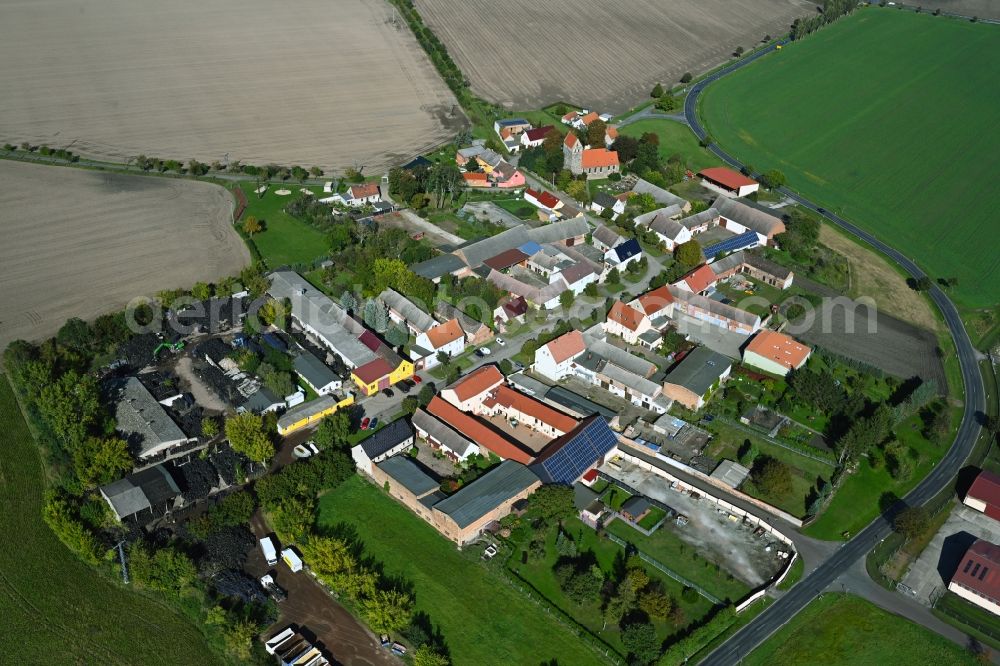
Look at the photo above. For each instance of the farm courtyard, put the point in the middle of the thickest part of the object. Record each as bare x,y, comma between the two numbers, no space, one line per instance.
311,83
899,145
607,56
83,243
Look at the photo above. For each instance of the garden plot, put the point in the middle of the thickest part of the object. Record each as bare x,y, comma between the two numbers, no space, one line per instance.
335,85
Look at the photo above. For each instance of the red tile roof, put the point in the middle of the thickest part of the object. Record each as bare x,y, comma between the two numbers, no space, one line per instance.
570,140
371,372
370,340
589,118
507,397
516,306
625,315
572,115
539,133
986,488
479,381
599,157
506,259
475,176
364,190
444,333
476,430
700,278
611,132
727,178
780,348
547,199
591,475
979,570
653,301
566,346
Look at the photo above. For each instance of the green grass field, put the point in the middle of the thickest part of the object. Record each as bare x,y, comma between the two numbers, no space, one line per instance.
883,117
675,138
284,240
55,607
483,619
846,630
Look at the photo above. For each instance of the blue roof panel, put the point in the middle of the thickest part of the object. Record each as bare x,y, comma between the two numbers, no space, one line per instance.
741,242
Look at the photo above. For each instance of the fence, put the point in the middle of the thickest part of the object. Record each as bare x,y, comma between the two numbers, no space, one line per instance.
992,632
667,570
771,440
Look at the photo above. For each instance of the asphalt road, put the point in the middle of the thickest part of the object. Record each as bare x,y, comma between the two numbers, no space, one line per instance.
785,608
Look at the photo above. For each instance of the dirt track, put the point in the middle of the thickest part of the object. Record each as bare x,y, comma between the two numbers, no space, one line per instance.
79,243
605,55
309,83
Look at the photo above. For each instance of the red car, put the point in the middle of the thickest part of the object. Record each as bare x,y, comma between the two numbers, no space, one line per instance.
365,422
417,379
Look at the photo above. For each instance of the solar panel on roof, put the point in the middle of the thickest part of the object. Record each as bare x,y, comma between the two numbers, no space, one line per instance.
743,241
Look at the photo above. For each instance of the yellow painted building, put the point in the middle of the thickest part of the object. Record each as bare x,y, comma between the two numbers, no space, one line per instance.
376,375
310,413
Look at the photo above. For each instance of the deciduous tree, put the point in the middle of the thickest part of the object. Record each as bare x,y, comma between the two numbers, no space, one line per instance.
245,433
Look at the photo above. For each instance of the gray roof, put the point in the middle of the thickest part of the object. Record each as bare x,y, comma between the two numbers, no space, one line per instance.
438,266
562,396
698,219
604,200
697,371
583,496
140,491
142,420
750,217
471,151
636,505
766,265
299,412
442,433
448,311
408,474
714,306
619,356
577,272
313,370
561,230
633,381
318,312
487,492
260,400
646,219
537,295
728,263
607,235
387,438
479,251
659,194
665,226
407,309
731,473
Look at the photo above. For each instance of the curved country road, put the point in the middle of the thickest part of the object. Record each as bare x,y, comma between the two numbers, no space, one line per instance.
775,616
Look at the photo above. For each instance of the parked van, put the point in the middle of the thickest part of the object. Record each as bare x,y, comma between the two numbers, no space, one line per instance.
270,552
292,559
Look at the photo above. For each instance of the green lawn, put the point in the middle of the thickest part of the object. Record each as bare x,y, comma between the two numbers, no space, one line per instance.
862,495
665,546
518,207
482,618
284,240
675,138
56,605
884,117
978,622
845,630
606,552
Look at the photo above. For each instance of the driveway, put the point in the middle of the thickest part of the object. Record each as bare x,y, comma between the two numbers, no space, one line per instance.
928,577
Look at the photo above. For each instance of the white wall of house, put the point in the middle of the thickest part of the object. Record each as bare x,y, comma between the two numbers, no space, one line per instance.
610,258
766,364
453,348
628,335
546,365
683,236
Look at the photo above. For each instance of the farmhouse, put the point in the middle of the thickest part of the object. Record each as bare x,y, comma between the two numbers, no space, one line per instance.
554,360
635,388
510,309
669,232
754,265
513,126
465,155
404,311
142,495
143,422
713,312
701,280
775,353
262,401
604,238
577,276
626,322
604,201
384,443
442,438
728,182
984,494
542,199
476,332
365,193
623,254
524,410
468,392
316,374
977,578
546,297
535,137
447,338
463,516
693,379
380,374
436,268
475,429
657,305
700,222
409,483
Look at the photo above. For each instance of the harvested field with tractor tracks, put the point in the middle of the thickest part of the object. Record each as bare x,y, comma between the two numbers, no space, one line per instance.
80,243
605,56
312,83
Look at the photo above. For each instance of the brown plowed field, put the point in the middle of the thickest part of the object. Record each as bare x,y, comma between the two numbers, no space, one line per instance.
310,82
77,243
604,55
